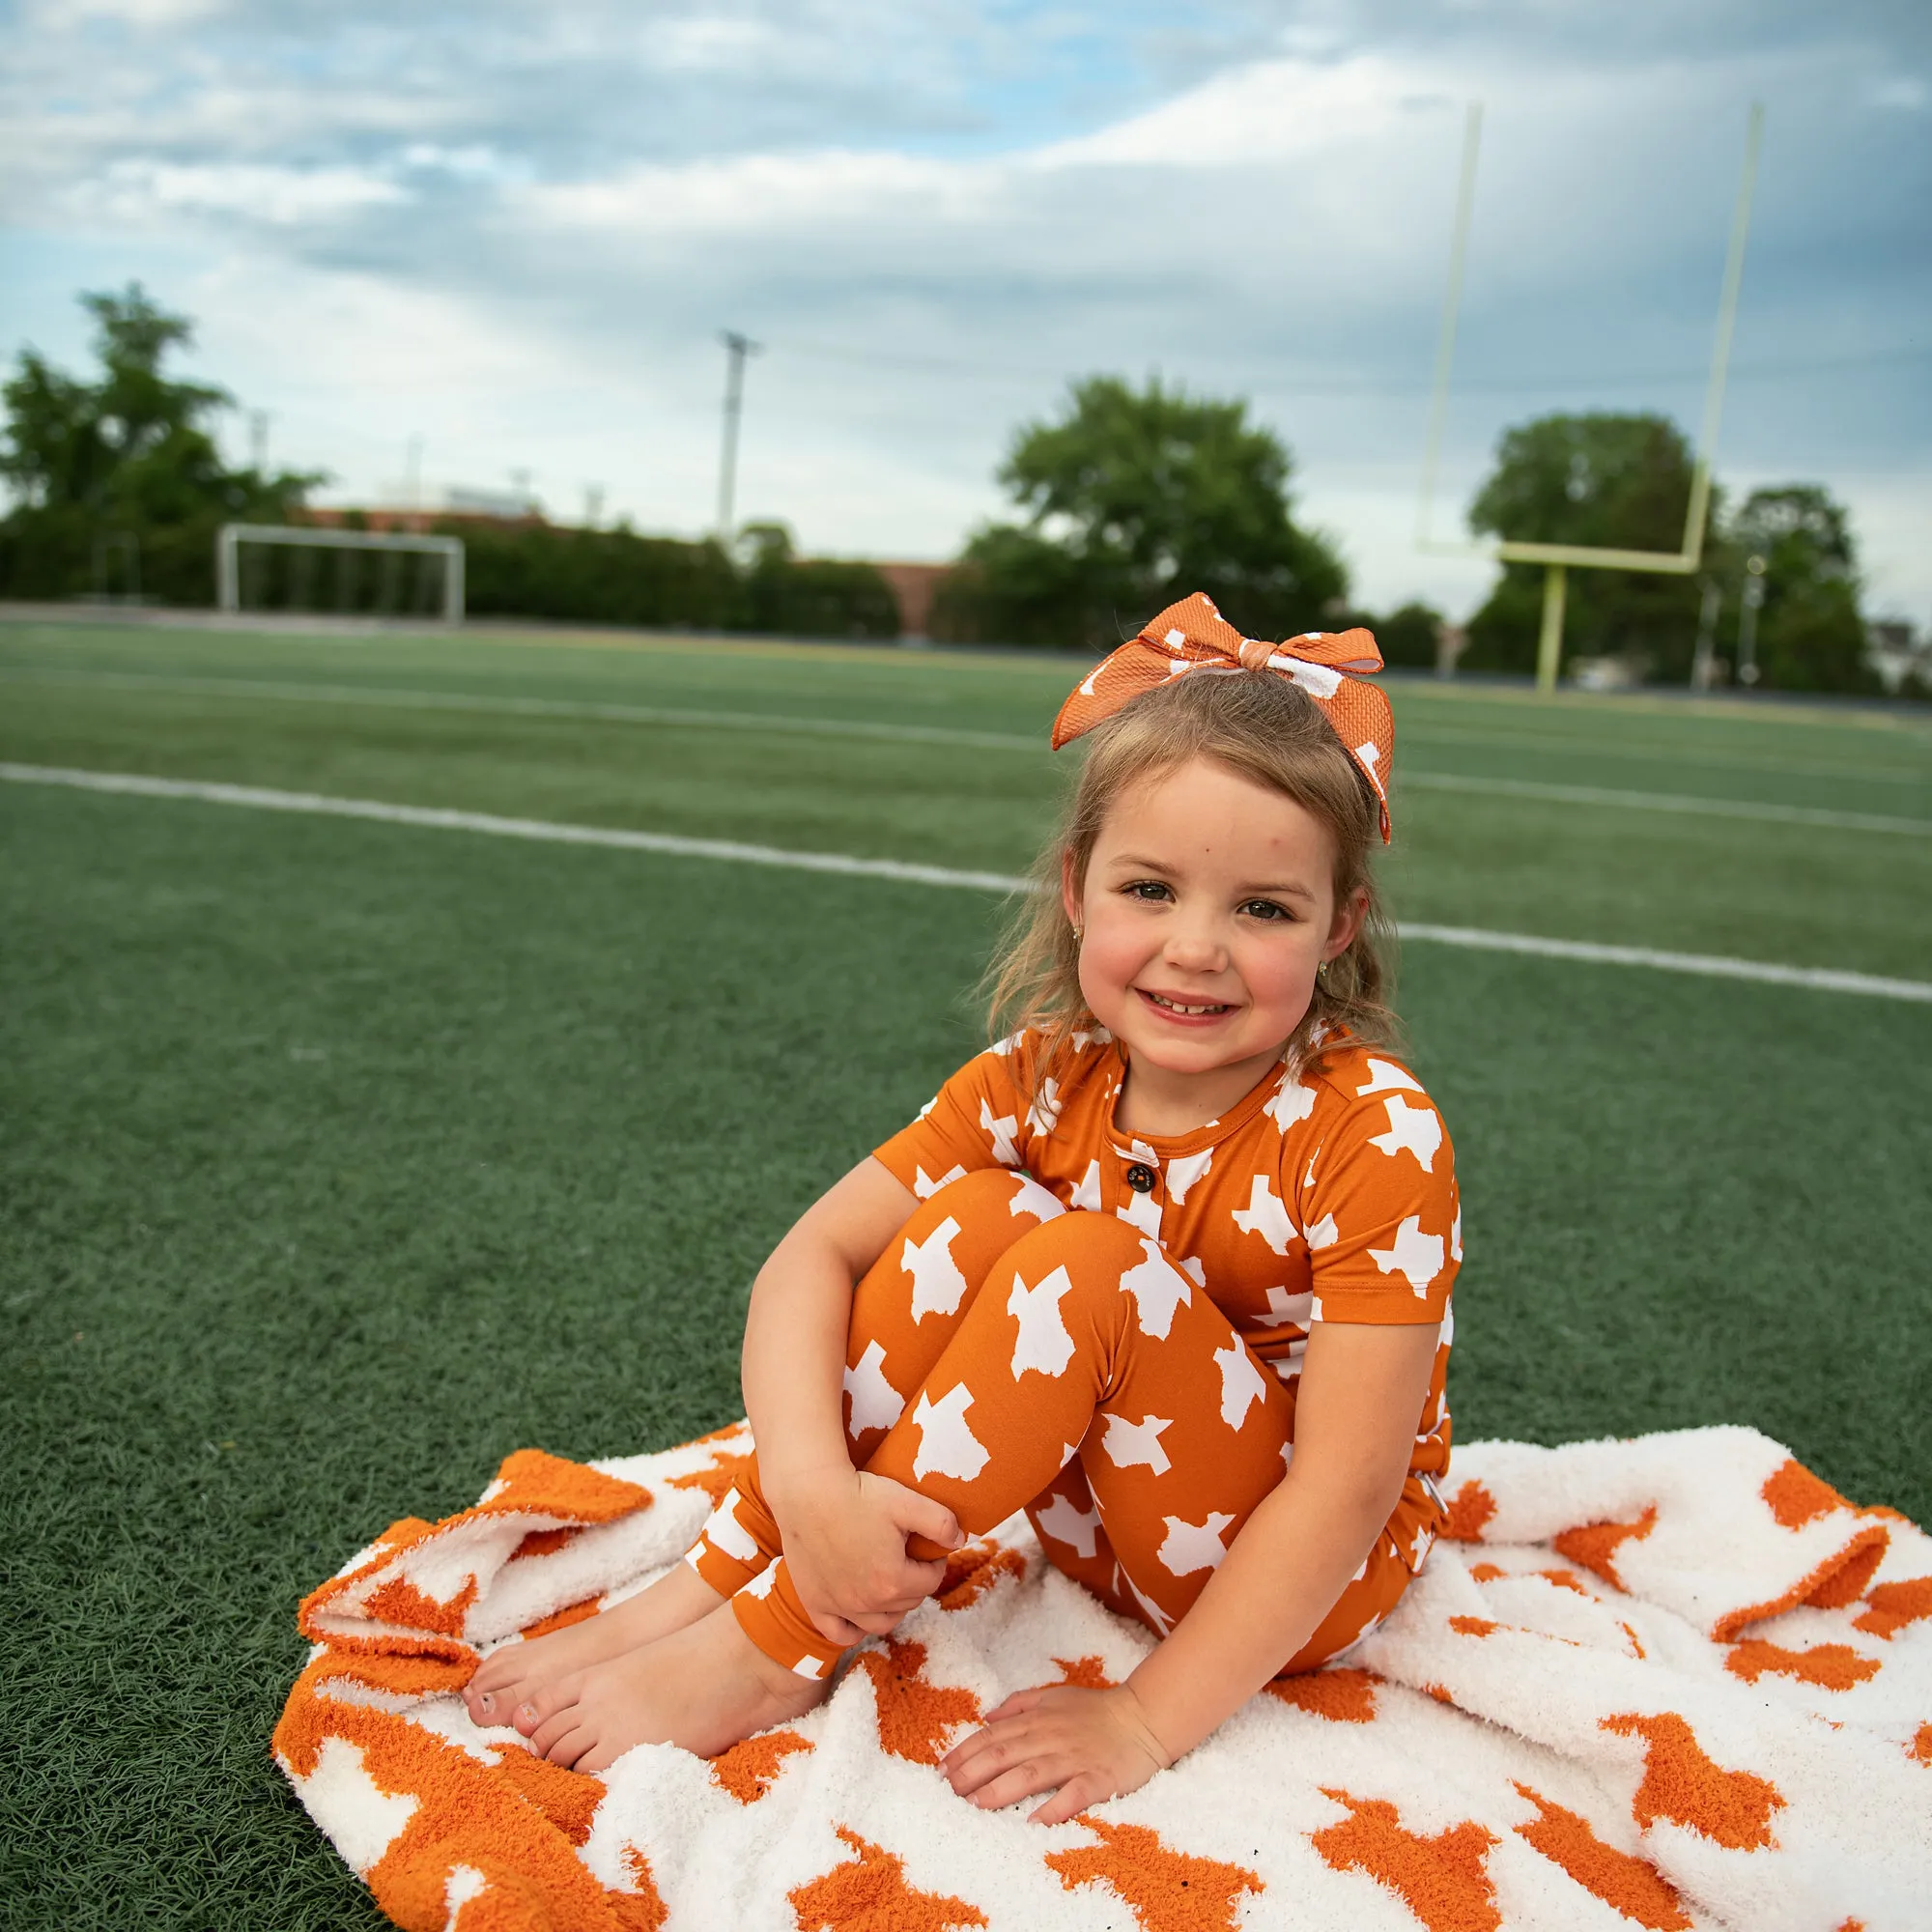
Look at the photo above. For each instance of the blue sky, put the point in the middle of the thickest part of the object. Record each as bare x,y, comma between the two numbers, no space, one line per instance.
514,232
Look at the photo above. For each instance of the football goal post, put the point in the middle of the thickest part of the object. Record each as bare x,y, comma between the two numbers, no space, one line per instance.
1558,560
433,587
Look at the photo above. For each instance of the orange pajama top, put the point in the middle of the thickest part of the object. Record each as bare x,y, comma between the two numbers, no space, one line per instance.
1323,1195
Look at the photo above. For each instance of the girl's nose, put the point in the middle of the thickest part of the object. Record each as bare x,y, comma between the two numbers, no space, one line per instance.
1196,949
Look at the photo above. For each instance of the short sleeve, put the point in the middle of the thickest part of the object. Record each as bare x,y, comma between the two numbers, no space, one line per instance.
976,1119
1379,1204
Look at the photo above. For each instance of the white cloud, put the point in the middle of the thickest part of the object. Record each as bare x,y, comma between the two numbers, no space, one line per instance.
147,14
135,190
517,235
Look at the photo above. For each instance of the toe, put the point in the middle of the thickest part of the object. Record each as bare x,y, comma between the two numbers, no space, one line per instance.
548,1726
539,1706
561,1738
493,1710
491,1693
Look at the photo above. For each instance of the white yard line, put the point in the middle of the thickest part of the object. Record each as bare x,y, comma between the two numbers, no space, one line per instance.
536,707
1679,803
438,818
1671,802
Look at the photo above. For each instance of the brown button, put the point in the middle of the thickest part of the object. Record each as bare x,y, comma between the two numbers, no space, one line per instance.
1141,1177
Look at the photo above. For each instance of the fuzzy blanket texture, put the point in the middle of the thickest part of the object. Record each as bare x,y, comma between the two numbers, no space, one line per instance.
1675,1681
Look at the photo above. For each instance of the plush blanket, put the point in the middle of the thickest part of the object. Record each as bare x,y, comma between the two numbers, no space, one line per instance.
1676,1682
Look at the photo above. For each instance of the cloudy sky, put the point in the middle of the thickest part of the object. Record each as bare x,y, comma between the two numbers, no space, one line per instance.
513,232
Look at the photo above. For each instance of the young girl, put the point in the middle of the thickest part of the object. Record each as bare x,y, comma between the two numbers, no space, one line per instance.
1169,1268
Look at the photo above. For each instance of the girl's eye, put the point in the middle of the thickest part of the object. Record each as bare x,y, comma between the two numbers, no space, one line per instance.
1266,909
1152,890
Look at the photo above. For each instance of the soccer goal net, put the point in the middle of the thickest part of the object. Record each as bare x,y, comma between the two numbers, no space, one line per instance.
355,572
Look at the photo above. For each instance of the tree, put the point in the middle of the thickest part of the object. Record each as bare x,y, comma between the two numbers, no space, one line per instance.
786,595
1810,636
1409,637
1133,498
1612,481
1624,481
130,456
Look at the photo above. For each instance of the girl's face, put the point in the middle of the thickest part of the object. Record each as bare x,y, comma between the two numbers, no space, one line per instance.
1207,908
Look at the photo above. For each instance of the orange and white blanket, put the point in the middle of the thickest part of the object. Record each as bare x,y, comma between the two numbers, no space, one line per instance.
1676,1682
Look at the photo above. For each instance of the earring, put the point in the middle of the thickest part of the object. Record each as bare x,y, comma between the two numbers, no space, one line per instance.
1079,933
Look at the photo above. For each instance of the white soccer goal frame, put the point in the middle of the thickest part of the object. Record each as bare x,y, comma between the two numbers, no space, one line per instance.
231,537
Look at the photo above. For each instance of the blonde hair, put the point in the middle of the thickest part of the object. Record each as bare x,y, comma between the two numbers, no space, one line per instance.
1264,729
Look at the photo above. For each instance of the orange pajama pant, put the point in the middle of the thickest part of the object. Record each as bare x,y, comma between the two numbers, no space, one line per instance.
1006,1353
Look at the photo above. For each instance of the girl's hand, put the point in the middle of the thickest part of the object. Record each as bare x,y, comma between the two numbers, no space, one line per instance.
845,1544
1089,1744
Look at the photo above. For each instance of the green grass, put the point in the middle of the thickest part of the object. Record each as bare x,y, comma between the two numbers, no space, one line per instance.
340,1160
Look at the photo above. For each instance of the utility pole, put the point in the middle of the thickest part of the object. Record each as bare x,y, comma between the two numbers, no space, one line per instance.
258,441
736,348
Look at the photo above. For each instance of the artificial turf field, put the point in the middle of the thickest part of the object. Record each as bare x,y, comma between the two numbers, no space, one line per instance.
341,1158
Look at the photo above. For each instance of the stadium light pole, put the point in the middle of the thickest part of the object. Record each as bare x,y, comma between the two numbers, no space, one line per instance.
737,348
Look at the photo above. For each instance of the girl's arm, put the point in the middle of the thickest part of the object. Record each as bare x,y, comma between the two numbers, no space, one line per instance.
844,1533
1362,1387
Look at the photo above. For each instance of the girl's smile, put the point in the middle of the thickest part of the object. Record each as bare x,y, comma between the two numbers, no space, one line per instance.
1207,909
1171,1004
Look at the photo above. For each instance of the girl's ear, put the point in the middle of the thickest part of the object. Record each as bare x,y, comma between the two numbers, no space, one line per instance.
1069,890
1346,923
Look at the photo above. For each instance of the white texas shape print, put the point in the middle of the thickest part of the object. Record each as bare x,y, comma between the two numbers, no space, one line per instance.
725,1532
1286,1307
1384,1077
1292,1103
1030,1198
1043,1343
1413,1254
1044,1114
1265,1215
1064,1524
1000,1131
1418,1129
1157,1616
1185,1168
1242,1383
1193,1545
937,1285
875,1402
1128,1443
946,1446
1158,1288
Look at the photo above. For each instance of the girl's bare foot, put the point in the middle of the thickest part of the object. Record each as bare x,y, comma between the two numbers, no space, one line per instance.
706,1687
519,1671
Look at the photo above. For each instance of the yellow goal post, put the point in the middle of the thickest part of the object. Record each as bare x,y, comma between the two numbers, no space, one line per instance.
1558,560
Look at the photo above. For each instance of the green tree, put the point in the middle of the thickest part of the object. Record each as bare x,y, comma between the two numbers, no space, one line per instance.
1133,498
1810,635
125,465
1614,481
1409,635
786,595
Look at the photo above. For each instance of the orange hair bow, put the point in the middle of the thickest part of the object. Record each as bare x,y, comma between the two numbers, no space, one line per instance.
1193,635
